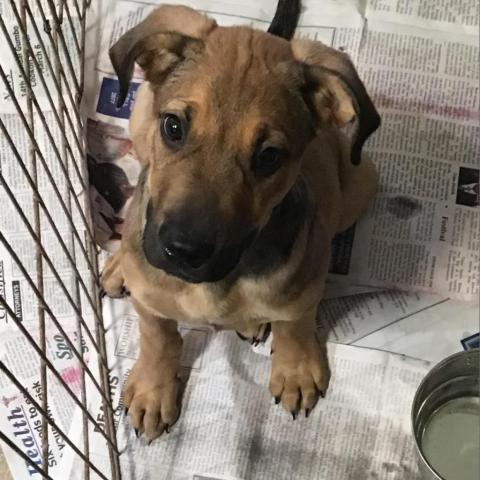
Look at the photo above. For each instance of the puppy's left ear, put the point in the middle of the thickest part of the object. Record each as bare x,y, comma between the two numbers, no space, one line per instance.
168,35
334,92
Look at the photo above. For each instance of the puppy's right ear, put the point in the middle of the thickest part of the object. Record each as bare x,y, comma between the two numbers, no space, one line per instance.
167,36
335,92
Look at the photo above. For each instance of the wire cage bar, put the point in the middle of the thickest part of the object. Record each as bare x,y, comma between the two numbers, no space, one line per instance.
50,307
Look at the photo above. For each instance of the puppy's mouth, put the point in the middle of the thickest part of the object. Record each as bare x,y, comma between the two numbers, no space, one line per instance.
191,263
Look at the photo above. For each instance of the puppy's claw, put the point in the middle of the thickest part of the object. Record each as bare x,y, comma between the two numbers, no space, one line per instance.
266,333
166,429
307,412
124,292
242,337
320,393
102,292
277,400
125,411
261,336
294,415
137,434
150,442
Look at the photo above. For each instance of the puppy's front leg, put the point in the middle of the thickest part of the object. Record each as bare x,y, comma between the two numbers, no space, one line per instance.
300,372
151,392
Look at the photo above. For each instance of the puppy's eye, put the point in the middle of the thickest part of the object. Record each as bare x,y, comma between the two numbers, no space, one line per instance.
172,129
267,161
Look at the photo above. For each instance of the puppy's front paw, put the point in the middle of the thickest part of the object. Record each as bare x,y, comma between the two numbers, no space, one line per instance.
151,398
300,375
111,280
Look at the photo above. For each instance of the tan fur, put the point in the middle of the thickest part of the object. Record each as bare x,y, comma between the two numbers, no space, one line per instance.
225,82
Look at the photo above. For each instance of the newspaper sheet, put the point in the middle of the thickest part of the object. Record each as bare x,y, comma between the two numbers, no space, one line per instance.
230,428
418,61
431,333
21,421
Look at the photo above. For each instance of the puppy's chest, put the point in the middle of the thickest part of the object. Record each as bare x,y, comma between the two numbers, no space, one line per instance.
247,303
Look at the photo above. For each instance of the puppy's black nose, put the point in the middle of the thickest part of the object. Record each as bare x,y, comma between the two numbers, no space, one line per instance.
190,252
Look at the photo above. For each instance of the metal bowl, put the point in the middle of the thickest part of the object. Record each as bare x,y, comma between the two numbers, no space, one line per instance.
453,378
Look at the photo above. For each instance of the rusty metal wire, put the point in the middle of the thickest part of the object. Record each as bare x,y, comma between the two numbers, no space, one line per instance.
44,146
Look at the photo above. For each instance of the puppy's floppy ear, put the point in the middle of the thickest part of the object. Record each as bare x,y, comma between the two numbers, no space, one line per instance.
166,37
334,91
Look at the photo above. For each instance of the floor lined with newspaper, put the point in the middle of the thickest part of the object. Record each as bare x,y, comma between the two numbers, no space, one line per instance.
403,290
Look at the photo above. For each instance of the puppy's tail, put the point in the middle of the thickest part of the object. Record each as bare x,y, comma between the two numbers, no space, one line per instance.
285,19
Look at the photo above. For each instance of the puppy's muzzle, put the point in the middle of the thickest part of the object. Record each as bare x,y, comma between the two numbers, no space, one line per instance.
192,248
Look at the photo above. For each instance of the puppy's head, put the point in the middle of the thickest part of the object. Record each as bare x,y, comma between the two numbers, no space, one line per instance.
221,126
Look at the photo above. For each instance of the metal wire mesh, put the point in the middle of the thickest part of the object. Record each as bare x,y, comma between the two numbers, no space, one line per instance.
47,245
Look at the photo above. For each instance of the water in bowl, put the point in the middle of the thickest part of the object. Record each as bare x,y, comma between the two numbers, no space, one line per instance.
451,439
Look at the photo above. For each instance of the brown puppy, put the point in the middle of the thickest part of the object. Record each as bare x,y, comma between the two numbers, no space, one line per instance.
246,179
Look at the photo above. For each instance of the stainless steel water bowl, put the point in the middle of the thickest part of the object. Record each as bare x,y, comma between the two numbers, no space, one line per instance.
456,377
